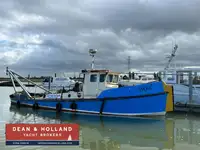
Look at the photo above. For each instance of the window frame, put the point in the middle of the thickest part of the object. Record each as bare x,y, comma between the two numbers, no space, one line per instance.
93,76
114,75
108,78
100,75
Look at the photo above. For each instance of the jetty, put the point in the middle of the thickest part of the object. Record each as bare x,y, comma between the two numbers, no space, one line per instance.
185,81
8,82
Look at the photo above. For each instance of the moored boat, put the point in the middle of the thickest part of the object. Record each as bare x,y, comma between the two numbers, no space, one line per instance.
57,83
101,94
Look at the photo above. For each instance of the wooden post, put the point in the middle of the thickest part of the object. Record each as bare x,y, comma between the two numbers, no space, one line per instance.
190,87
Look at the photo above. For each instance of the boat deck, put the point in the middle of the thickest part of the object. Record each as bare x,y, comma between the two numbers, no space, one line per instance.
66,99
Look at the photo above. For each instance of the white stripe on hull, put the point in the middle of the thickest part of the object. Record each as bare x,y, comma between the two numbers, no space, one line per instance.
104,113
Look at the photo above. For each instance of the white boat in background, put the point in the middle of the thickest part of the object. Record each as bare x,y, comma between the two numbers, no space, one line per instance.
139,77
58,83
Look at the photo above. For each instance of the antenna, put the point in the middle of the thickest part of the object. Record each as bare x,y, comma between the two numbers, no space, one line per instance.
171,56
6,70
92,53
129,63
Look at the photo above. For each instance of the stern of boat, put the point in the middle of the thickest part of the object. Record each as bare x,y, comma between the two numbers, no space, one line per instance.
170,97
17,96
13,97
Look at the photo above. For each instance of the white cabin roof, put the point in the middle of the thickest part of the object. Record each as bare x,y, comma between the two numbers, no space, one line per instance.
99,71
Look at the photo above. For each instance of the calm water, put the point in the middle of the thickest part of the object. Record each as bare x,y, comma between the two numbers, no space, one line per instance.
177,132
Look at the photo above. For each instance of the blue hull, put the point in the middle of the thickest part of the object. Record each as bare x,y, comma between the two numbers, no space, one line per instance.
145,99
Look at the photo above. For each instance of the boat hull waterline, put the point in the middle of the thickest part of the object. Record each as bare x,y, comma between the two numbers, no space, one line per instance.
151,99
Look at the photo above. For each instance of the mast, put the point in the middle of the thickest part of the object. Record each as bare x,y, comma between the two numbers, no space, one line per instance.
92,53
129,63
171,56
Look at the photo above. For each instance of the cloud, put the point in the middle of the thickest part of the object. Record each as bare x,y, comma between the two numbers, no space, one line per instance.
47,36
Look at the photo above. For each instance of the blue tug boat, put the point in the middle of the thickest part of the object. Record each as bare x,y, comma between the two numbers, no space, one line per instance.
99,94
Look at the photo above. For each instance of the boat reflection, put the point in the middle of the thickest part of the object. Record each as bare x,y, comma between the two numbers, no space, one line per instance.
107,133
187,129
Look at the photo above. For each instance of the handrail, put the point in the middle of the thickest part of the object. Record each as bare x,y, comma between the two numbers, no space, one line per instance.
15,75
197,92
10,71
28,94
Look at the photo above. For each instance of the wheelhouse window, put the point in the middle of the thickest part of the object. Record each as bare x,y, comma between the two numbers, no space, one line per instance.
102,77
93,78
109,78
115,79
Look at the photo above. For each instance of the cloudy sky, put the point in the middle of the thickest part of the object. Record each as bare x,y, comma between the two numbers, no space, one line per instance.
45,36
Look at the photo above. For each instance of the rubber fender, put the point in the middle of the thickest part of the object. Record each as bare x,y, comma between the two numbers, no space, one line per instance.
18,104
35,106
59,107
73,106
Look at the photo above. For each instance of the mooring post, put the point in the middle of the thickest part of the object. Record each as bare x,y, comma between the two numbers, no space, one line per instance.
190,87
49,82
190,135
28,78
177,77
6,70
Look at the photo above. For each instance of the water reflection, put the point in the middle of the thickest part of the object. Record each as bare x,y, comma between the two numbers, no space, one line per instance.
106,133
187,129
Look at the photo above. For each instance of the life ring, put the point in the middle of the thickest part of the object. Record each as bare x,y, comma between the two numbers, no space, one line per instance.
58,107
18,104
35,105
73,106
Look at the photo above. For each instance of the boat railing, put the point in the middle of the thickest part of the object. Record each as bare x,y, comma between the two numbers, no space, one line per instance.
186,82
145,76
140,76
15,77
197,92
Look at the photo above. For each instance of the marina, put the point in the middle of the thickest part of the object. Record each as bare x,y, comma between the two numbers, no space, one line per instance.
99,90
175,131
100,75
152,99
186,91
185,82
100,93
106,104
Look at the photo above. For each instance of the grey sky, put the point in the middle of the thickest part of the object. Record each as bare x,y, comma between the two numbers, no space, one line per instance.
46,36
